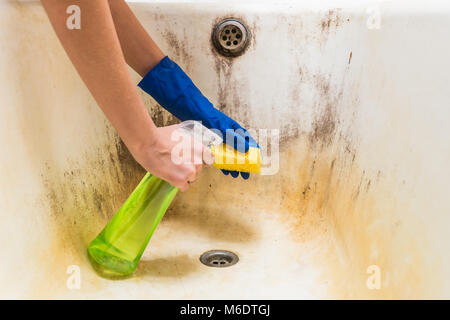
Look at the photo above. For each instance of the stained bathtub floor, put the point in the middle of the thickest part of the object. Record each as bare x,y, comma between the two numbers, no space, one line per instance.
271,265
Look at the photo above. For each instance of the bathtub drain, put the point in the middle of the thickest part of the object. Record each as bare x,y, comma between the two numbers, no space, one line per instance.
230,37
219,258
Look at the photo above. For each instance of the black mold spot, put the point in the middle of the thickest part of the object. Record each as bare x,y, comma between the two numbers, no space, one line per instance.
83,198
326,120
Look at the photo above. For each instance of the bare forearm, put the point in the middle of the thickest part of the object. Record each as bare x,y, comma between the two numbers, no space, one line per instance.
97,56
140,51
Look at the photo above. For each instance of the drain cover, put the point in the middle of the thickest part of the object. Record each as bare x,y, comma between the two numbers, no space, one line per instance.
219,258
230,37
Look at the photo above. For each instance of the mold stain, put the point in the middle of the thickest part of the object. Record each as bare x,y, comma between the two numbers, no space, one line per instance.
229,91
324,197
327,197
326,120
347,215
331,20
328,99
321,195
253,30
171,267
223,68
327,89
159,115
200,212
179,49
81,201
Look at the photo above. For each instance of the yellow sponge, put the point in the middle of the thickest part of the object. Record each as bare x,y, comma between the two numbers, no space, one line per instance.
228,158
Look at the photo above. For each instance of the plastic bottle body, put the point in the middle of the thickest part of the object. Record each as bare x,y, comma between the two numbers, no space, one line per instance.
117,249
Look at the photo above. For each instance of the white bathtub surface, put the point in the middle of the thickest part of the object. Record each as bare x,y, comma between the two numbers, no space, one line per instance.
360,93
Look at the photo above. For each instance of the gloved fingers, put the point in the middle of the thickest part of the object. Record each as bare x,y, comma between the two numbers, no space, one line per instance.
234,174
245,175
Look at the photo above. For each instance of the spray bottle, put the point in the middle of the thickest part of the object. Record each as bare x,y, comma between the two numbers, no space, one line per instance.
116,251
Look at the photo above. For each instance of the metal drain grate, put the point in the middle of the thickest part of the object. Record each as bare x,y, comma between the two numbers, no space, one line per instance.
230,37
219,258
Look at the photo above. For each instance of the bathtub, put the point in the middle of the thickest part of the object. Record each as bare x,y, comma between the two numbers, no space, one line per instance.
359,206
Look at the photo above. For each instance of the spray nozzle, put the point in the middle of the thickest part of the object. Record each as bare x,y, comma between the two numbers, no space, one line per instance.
200,133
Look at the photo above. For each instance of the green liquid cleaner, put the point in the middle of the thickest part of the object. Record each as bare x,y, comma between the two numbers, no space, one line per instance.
116,251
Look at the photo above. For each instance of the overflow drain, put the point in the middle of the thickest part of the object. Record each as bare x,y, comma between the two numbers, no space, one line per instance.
230,37
219,258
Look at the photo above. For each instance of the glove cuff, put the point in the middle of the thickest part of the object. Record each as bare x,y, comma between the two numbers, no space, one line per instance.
172,88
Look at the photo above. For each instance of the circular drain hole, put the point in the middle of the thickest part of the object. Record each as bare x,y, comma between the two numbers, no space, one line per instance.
219,258
230,37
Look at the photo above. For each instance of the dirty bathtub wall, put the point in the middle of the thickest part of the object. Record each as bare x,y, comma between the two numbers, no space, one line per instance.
64,171
354,162
364,156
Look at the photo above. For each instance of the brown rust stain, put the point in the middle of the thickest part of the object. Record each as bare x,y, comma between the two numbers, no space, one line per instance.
326,119
328,88
320,192
170,267
223,67
324,126
159,115
81,200
253,30
203,212
232,99
332,19
178,48
326,195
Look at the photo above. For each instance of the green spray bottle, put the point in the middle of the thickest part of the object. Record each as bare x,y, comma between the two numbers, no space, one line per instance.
116,251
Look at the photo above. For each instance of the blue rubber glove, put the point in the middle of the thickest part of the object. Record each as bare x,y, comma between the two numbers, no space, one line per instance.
172,88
